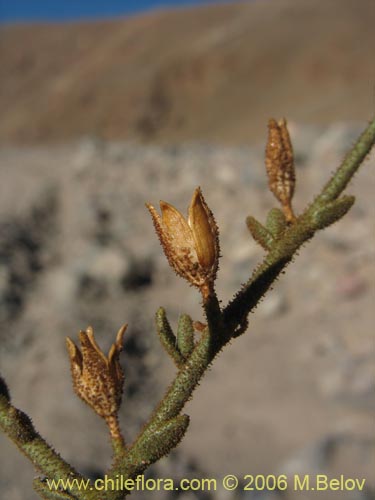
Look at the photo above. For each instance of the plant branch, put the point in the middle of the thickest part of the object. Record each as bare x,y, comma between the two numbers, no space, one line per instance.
299,232
232,321
352,161
19,428
167,426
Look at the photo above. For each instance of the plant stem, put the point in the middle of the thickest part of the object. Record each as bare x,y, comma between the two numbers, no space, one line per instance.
296,234
19,428
352,161
223,325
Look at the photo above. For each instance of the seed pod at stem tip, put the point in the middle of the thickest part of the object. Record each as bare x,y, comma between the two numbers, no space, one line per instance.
190,244
280,165
97,379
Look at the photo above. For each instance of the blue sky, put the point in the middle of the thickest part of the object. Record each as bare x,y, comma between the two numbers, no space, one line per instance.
62,10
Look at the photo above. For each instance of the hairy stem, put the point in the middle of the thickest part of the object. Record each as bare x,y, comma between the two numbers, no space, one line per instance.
352,161
19,428
299,232
226,324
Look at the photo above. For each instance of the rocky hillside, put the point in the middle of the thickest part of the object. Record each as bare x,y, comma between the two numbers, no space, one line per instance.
213,73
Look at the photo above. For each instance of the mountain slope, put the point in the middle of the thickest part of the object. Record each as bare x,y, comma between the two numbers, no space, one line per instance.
213,73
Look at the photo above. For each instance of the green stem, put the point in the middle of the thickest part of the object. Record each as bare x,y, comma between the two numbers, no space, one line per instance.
181,388
295,235
169,407
349,166
19,428
264,276
226,324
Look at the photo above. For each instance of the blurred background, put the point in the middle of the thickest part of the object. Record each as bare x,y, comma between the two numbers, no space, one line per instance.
107,105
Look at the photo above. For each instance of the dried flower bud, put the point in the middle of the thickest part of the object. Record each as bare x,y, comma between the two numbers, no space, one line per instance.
191,245
280,165
97,379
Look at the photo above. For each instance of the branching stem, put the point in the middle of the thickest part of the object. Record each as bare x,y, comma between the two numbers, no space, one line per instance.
167,426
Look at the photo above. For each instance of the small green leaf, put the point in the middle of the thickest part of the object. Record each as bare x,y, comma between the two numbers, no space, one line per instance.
260,234
156,442
185,335
168,338
276,222
332,211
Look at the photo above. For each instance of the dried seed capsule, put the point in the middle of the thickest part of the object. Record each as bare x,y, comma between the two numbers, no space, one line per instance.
97,379
191,245
280,165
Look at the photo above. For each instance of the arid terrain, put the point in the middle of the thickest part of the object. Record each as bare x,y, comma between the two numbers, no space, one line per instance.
214,73
98,119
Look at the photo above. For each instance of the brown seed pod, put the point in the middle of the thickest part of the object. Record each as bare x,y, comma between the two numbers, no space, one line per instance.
191,245
280,165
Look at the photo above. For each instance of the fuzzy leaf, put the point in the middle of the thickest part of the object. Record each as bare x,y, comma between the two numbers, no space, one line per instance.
185,335
276,222
168,338
156,442
260,234
332,211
